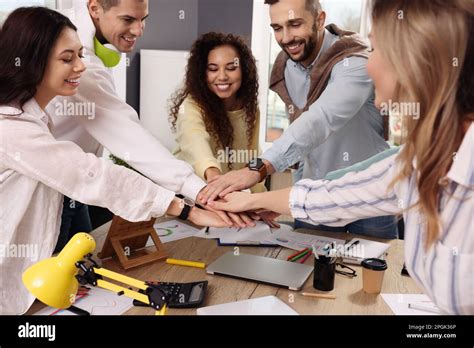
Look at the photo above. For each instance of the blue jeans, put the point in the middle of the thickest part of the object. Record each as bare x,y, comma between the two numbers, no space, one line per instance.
75,218
380,227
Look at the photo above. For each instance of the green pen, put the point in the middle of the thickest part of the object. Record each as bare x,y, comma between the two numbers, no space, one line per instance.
297,257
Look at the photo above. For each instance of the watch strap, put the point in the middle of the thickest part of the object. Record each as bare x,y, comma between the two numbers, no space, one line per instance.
185,212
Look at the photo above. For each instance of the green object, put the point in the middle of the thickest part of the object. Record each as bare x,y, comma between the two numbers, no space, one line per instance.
297,257
357,167
121,162
108,56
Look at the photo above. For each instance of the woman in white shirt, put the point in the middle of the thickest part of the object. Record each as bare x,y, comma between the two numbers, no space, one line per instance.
41,58
421,66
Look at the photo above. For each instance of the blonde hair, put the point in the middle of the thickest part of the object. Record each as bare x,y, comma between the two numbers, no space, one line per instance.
428,43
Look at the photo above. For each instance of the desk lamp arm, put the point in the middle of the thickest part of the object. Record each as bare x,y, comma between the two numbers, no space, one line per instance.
94,274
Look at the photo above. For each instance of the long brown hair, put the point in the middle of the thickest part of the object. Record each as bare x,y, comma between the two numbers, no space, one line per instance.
212,107
429,44
26,40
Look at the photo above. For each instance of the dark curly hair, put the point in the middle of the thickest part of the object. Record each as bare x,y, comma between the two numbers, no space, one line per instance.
195,85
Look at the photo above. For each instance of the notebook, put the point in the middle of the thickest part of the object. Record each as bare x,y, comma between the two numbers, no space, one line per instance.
268,305
364,249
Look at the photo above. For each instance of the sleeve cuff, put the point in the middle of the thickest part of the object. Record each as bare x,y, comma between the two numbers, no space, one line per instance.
201,166
192,186
297,201
275,160
162,202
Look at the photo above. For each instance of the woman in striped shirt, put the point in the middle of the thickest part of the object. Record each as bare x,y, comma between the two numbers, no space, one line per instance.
420,68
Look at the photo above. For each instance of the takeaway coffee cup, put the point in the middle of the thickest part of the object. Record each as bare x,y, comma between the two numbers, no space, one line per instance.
372,275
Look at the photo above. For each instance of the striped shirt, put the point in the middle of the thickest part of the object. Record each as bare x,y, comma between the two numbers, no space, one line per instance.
446,269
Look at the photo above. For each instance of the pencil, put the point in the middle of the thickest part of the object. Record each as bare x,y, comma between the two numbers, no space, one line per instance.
325,296
296,254
306,257
423,308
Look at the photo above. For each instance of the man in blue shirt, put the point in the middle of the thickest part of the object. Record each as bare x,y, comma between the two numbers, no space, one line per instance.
322,78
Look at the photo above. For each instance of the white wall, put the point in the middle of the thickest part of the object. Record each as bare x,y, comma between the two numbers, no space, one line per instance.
261,52
161,73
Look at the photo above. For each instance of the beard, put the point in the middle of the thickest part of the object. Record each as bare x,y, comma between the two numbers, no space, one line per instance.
310,45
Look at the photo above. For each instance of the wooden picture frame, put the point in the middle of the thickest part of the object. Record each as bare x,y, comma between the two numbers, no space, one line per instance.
127,240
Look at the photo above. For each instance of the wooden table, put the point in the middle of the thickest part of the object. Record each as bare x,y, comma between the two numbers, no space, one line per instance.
350,298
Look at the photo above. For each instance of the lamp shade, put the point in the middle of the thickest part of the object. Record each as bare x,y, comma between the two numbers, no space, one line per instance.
53,281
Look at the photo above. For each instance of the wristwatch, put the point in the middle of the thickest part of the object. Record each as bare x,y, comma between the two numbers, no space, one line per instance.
257,165
188,203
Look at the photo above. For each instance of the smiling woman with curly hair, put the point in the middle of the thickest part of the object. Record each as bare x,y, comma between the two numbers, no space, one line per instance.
215,115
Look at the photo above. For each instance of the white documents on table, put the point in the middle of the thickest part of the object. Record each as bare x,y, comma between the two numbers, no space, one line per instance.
268,305
410,304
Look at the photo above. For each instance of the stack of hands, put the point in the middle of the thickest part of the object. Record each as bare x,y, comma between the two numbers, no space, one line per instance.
226,206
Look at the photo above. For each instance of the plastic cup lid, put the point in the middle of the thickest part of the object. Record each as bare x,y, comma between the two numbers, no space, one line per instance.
374,264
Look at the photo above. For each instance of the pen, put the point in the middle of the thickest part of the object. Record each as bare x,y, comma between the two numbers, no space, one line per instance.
297,257
77,310
326,296
423,308
306,257
207,230
327,249
296,254
186,263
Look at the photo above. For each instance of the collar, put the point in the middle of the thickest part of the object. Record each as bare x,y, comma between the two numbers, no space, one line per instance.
462,169
30,109
328,40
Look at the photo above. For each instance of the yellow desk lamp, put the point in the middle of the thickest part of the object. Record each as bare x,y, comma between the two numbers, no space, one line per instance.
55,281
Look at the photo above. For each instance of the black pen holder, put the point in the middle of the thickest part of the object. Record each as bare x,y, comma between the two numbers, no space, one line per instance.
324,273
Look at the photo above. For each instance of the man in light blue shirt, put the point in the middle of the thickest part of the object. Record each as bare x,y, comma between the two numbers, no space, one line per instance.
332,128
340,128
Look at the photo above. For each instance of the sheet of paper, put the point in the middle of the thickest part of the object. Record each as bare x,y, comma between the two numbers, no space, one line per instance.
286,237
398,303
96,301
261,233
268,305
215,233
172,230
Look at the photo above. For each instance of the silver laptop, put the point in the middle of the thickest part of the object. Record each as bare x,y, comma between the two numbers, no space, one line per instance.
261,269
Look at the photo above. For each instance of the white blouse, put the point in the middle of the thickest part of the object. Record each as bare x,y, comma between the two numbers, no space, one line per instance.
35,170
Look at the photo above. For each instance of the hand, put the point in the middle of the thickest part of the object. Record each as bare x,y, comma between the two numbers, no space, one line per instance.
243,201
235,180
203,217
233,219
268,217
235,202
212,173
